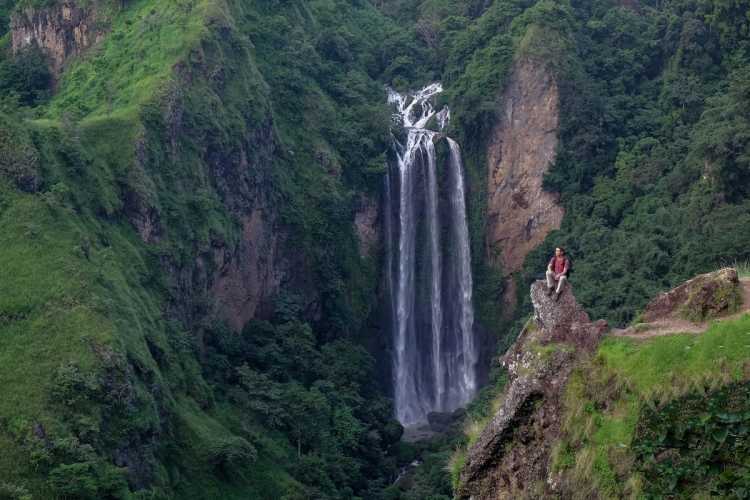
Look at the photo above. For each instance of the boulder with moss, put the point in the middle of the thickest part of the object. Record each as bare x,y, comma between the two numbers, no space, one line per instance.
704,297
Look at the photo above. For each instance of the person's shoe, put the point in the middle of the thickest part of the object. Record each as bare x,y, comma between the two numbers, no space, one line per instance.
549,291
557,296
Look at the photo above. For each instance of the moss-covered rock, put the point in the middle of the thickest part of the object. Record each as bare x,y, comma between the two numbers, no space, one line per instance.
704,297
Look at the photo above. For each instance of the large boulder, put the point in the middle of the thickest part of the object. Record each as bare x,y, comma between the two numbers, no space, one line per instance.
704,297
564,320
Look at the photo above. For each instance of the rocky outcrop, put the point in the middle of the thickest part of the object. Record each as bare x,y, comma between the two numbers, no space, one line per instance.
366,225
248,275
564,320
510,459
703,297
522,147
61,30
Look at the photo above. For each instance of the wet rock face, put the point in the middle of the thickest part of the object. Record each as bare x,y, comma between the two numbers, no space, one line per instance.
522,148
510,459
703,297
61,31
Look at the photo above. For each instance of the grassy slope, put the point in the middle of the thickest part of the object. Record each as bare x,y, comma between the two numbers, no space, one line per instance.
77,281
606,399
135,60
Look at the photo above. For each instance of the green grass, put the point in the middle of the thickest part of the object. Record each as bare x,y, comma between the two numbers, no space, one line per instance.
456,465
62,299
604,399
665,367
743,269
136,59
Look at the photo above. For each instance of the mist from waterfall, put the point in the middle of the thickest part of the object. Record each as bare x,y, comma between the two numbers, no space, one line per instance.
428,263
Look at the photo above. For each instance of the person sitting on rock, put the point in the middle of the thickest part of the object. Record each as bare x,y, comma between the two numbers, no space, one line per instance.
557,272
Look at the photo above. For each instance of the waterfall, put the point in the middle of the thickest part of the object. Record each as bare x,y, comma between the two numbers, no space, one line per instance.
428,267
461,235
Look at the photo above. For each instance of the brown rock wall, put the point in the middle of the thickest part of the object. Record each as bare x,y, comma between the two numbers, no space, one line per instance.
522,147
61,31
367,225
247,275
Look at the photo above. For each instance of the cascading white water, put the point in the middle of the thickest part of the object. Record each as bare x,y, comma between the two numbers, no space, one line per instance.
435,353
458,200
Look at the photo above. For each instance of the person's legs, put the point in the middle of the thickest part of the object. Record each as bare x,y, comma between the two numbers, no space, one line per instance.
550,280
561,283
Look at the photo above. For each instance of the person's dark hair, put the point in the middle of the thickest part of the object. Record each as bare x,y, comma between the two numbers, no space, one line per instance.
561,250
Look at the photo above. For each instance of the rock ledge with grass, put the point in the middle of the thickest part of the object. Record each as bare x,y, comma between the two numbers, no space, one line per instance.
512,452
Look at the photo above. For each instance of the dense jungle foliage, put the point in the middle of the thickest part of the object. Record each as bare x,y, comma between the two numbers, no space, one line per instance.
120,380
653,163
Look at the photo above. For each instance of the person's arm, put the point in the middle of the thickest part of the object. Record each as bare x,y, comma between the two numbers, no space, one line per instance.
551,262
565,269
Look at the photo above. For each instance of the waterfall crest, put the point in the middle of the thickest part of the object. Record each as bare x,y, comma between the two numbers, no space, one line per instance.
428,264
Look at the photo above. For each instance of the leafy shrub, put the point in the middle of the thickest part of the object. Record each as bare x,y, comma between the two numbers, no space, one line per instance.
87,480
10,491
231,452
697,444
19,159
27,76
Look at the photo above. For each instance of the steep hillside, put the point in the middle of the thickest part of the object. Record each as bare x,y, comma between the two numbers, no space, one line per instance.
640,416
651,164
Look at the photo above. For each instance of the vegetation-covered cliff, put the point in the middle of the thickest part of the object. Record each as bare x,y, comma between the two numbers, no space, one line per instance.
189,216
183,299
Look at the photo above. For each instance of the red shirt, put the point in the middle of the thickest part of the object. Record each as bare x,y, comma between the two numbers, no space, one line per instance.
559,264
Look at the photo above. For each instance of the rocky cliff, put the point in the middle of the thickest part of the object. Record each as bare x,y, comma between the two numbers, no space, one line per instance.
242,270
511,457
522,147
62,30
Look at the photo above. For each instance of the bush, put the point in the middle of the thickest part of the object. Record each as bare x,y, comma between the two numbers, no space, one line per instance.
26,75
